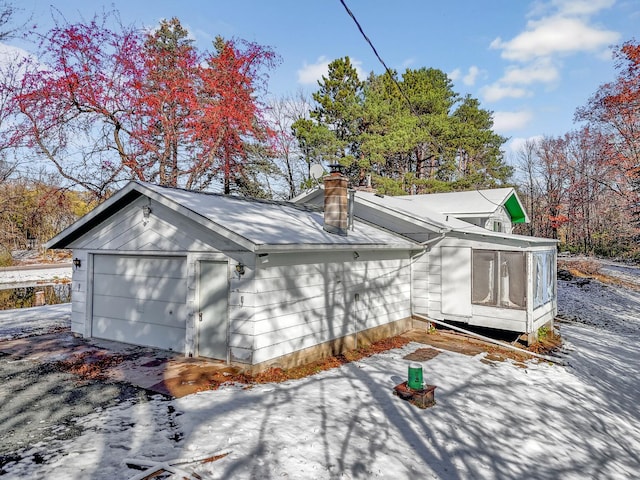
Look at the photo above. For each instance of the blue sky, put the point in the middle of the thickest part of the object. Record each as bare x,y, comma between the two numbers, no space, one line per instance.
530,62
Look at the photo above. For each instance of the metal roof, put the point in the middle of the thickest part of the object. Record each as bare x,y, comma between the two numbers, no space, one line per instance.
473,203
255,224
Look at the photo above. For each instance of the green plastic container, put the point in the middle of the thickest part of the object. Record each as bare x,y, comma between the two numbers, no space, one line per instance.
415,376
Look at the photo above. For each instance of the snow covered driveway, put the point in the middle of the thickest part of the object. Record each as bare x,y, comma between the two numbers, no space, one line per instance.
33,321
492,420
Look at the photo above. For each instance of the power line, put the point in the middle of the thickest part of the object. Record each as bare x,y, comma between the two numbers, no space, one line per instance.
389,72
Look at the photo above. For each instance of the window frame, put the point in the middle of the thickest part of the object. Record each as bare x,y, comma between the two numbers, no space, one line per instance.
544,280
495,291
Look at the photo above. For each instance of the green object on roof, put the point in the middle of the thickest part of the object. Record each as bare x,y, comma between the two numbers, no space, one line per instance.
515,210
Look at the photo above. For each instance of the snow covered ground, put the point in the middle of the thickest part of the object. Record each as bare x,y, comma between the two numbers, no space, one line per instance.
33,321
491,421
33,275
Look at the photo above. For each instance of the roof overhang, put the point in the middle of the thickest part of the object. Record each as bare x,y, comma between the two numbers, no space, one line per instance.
124,197
429,225
521,241
515,209
98,215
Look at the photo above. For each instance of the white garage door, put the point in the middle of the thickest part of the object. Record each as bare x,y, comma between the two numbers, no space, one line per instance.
140,300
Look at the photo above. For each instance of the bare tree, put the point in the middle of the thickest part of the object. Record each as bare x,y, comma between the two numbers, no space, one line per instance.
291,165
7,15
527,163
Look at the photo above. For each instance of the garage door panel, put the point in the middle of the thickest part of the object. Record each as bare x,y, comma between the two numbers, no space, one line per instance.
170,290
147,311
147,267
137,333
140,300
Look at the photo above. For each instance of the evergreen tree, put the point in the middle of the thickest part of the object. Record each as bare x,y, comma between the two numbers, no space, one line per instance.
339,101
413,134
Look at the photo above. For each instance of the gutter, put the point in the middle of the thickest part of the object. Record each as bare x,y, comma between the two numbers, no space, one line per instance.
436,239
335,247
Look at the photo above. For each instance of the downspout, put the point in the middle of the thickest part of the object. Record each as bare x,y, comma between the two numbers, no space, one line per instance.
350,205
433,240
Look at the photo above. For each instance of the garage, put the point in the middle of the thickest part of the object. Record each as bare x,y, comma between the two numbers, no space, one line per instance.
140,300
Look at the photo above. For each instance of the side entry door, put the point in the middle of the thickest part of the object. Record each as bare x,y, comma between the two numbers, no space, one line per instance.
213,311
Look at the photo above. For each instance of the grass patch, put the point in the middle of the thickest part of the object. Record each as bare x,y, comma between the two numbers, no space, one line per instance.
591,269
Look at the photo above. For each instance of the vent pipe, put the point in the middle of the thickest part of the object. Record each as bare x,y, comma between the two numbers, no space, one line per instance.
335,201
351,206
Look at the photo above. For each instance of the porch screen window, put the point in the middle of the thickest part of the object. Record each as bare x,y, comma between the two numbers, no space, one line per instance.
499,278
544,279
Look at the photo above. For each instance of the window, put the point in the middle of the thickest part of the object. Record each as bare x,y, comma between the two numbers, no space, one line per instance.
544,280
499,279
497,226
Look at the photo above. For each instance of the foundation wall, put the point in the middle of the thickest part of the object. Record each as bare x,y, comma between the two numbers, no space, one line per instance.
334,347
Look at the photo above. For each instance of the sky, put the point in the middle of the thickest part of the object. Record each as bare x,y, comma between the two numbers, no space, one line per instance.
532,63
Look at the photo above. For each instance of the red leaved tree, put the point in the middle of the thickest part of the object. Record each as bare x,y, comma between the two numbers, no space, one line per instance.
615,110
105,105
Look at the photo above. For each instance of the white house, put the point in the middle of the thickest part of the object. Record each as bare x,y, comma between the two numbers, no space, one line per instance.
257,282
469,273
495,209
244,281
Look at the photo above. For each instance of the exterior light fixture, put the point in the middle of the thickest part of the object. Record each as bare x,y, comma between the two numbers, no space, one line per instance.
77,263
356,255
240,269
146,211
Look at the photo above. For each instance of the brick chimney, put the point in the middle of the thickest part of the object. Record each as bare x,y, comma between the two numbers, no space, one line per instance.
335,202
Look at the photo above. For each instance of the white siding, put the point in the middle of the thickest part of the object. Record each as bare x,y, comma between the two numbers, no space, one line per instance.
481,315
456,281
242,309
302,300
500,318
165,230
434,269
420,284
544,314
79,299
500,215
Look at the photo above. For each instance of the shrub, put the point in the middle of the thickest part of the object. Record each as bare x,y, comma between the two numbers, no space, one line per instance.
6,260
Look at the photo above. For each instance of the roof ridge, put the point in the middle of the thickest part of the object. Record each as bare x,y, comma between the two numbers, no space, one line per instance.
265,201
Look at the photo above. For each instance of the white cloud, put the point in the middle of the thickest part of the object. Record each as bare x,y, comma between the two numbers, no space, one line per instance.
471,76
15,62
554,35
514,145
408,62
357,64
498,91
312,73
542,71
510,121
556,28
582,7
11,54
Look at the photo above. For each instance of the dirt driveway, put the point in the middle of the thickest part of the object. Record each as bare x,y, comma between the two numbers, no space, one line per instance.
40,404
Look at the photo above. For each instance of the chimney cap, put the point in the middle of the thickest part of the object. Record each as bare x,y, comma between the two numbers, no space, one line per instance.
336,168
